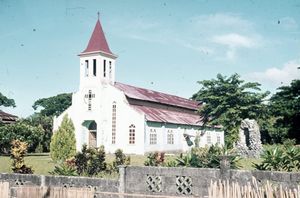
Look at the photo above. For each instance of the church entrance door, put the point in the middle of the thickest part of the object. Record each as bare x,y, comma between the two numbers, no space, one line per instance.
91,125
92,139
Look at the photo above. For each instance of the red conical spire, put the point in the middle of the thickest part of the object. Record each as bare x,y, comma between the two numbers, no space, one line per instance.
98,41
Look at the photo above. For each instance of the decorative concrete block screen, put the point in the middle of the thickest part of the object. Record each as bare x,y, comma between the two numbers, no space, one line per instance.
167,181
153,183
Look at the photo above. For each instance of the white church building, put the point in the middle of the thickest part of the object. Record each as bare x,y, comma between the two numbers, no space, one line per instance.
136,120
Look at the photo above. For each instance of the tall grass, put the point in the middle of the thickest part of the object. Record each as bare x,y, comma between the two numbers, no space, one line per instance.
226,189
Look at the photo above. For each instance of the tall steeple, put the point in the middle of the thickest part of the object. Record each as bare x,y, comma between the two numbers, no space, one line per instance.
97,62
98,41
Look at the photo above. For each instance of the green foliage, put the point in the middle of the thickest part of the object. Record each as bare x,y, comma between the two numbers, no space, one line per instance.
227,101
155,159
271,131
63,142
44,122
90,161
21,131
120,159
208,157
67,168
54,105
39,148
189,159
280,158
6,102
285,106
18,151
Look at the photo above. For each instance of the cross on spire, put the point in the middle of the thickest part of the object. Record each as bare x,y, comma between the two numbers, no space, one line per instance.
98,13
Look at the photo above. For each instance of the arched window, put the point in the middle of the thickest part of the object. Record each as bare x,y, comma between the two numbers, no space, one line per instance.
132,134
153,136
170,137
113,123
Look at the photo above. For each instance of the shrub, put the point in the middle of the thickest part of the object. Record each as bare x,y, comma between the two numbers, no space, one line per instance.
66,168
208,157
22,132
63,143
90,161
280,158
155,159
18,151
120,159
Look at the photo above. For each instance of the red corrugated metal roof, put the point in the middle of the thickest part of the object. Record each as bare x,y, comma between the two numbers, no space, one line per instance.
154,96
169,116
98,41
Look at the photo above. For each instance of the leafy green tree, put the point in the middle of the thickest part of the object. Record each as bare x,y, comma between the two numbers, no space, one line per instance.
54,105
285,106
227,101
46,123
21,131
63,142
6,102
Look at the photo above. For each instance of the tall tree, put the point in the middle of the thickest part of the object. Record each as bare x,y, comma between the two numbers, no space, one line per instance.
227,101
63,142
285,105
6,102
44,122
54,105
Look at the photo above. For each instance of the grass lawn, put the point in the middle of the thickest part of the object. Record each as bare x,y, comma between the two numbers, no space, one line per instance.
42,164
246,163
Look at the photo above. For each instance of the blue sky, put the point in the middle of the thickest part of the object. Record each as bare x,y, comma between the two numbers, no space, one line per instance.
163,45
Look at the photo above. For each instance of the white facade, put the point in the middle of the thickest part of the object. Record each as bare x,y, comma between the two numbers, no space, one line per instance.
102,114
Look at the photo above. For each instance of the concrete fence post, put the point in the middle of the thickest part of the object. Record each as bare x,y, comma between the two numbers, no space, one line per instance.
225,167
122,179
43,180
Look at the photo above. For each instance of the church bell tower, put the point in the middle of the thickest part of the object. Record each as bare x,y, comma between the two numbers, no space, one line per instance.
97,62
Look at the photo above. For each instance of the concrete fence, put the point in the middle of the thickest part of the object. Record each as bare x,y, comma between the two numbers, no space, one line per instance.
152,180
193,181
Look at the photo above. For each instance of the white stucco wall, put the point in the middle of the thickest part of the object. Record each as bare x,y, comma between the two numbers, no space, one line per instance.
179,140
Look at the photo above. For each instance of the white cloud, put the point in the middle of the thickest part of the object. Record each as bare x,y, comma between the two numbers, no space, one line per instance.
275,76
195,46
220,34
222,21
234,40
